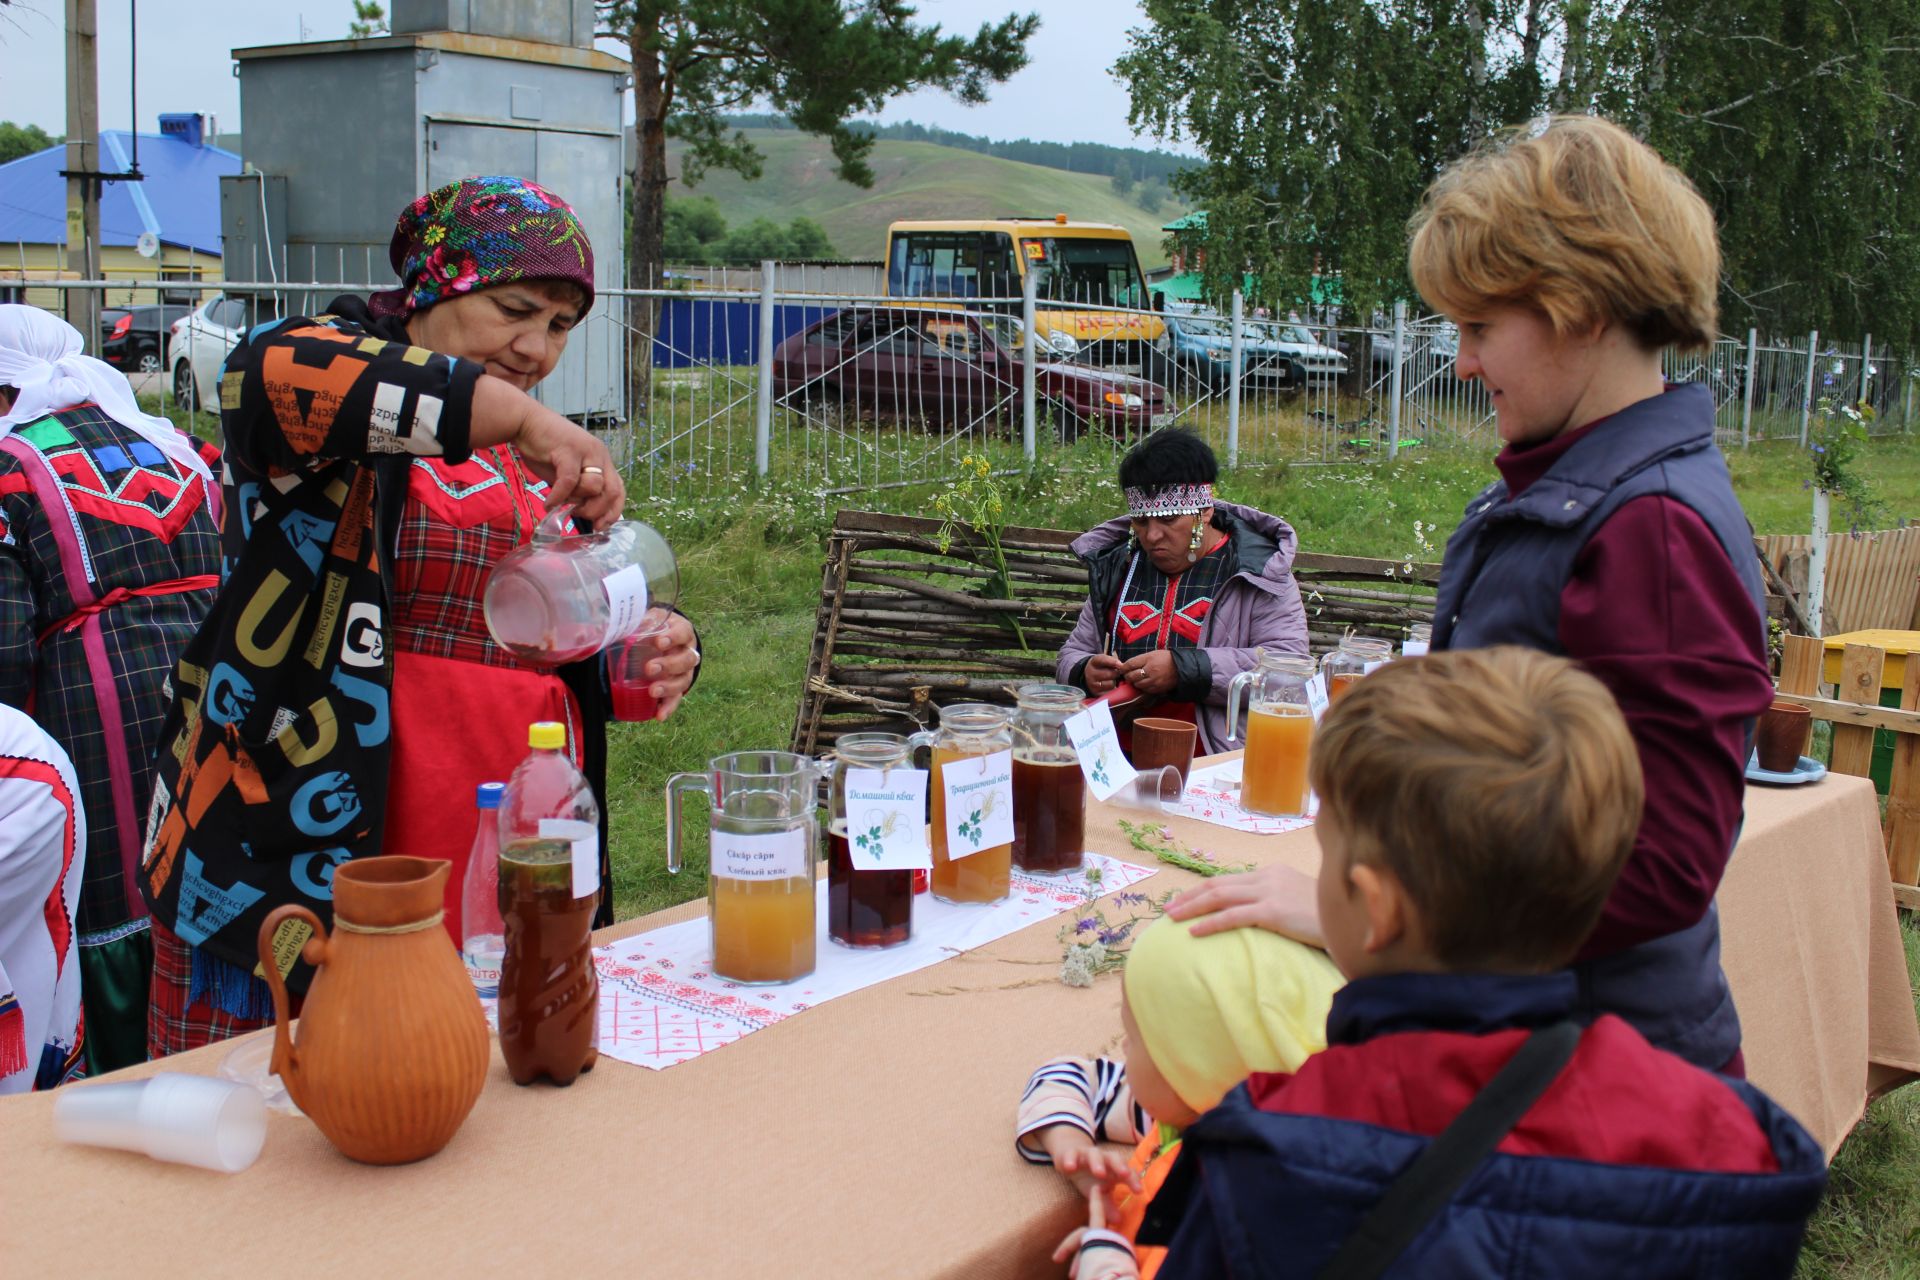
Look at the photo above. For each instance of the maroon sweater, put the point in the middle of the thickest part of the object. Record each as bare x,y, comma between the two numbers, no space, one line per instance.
1655,611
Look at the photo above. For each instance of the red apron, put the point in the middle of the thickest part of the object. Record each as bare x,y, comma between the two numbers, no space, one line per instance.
456,725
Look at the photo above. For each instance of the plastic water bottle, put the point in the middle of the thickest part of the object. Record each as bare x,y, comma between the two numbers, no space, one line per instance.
549,887
566,596
482,936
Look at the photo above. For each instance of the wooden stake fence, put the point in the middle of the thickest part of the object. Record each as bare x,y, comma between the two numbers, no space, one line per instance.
1873,579
904,628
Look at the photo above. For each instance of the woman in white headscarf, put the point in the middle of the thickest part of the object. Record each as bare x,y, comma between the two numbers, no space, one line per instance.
109,558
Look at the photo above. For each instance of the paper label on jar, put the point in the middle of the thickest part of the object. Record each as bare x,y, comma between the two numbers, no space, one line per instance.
1106,766
779,856
1413,648
1317,695
979,801
887,819
626,601
585,839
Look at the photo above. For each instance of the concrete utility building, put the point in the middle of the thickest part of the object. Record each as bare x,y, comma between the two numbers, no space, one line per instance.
174,213
340,135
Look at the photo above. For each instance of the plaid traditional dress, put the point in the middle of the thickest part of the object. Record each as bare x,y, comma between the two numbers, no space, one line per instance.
108,558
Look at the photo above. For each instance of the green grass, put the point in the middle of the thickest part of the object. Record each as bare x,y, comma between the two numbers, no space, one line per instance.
915,180
1869,1225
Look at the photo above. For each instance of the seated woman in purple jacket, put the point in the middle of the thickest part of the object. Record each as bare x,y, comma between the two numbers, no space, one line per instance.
1182,592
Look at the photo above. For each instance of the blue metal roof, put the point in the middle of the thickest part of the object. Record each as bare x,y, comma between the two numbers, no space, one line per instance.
179,201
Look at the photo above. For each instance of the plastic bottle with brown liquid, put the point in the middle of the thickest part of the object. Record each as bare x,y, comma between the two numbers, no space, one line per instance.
549,888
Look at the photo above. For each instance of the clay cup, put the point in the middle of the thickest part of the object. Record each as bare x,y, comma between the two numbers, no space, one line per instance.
1785,728
1158,742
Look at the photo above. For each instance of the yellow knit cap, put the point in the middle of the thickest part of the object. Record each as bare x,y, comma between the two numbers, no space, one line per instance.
1214,1010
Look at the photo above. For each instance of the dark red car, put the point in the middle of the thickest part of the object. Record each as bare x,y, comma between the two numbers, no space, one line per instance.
925,364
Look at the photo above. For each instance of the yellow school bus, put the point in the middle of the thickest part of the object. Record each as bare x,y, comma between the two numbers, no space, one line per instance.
1079,269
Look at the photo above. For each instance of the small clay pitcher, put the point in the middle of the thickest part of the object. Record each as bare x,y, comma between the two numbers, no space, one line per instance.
1782,736
392,1045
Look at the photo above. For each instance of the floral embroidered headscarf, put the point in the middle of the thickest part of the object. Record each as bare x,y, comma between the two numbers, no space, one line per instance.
483,231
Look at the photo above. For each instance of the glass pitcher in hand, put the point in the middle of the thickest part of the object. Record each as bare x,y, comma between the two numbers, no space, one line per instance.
762,838
566,595
1273,775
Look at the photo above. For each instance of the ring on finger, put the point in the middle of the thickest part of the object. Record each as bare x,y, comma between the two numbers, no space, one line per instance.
591,471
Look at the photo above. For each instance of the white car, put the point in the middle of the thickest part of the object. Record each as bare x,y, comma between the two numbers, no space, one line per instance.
1307,359
198,343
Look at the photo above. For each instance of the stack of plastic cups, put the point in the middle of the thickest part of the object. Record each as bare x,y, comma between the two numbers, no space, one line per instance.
214,1124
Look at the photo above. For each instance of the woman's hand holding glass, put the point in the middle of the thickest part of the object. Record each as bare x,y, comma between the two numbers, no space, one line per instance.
664,646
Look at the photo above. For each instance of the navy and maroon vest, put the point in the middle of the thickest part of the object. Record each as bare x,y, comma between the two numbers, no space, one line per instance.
1504,571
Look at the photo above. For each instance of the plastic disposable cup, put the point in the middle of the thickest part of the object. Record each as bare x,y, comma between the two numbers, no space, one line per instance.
1151,791
214,1124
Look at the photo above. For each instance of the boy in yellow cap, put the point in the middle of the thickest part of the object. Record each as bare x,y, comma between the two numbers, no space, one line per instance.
1199,1015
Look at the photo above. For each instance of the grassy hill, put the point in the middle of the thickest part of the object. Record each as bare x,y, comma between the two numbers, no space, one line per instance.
914,180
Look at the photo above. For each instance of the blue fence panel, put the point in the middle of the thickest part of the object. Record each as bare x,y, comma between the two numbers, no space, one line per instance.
695,331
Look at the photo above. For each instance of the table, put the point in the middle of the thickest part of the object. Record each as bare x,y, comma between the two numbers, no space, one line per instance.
872,1136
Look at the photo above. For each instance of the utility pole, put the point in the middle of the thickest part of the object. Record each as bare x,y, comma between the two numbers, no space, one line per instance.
83,168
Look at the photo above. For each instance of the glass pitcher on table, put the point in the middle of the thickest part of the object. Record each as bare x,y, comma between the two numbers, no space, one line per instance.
973,746
763,836
1049,791
1356,656
866,908
1273,774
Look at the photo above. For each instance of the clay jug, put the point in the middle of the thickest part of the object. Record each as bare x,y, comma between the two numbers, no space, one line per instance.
392,1044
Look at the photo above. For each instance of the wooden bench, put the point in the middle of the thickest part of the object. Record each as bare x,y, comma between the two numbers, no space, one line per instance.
903,627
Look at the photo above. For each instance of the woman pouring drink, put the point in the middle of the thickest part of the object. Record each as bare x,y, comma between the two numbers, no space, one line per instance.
1182,592
345,697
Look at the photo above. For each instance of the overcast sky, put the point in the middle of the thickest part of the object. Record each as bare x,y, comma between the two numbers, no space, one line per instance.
1066,94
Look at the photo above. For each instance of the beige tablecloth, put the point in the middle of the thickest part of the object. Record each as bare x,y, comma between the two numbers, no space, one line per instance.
871,1136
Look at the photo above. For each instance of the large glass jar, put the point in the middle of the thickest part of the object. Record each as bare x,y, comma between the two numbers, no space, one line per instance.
1049,791
865,908
973,737
1356,656
1273,774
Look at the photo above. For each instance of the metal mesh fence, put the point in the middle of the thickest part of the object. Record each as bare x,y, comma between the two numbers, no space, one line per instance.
723,376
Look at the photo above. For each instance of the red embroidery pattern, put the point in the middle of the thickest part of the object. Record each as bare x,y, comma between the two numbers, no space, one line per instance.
1139,619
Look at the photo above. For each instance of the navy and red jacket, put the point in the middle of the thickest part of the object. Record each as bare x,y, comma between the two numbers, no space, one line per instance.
1632,1163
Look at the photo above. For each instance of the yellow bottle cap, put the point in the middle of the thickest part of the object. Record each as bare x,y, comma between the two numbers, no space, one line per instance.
546,735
